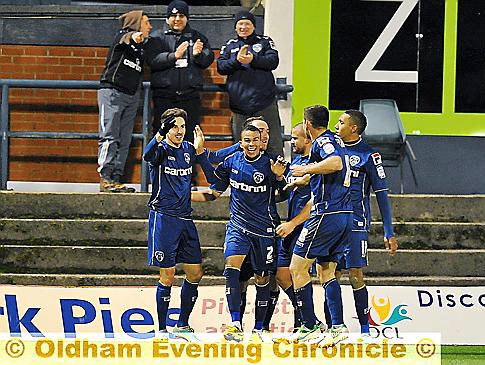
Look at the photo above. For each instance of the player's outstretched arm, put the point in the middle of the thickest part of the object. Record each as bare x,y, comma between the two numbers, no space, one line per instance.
204,195
328,166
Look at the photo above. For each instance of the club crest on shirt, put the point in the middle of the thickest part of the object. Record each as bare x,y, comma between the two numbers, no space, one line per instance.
258,177
257,47
159,255
354,160
187,157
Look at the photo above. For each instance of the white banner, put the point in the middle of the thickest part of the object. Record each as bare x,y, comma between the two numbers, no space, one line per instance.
455,312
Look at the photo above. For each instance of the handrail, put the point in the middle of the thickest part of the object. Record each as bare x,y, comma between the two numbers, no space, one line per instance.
5,133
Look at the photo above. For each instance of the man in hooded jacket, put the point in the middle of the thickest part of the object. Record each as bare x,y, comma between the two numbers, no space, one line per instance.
118,98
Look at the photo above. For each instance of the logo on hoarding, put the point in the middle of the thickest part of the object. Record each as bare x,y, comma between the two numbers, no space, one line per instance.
387,315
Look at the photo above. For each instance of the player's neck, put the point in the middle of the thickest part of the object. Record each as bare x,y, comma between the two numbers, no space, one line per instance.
252,159
176,145
315,133
352,140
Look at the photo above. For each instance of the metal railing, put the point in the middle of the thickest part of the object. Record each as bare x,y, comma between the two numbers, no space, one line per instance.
6,134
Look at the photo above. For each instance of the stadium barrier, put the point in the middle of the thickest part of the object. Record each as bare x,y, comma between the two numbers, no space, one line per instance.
6,133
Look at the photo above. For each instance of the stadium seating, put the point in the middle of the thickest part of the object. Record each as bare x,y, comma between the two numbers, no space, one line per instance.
385,132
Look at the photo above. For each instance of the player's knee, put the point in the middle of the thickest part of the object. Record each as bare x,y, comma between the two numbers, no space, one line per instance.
193,273
326,275
194,277
294,270
261,280
356,278
167,276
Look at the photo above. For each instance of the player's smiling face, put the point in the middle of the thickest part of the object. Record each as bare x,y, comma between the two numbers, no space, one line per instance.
251,143
345,129
175,136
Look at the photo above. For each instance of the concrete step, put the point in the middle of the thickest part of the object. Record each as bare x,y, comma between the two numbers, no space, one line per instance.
132,260
94,232
133,232
430,208
151,279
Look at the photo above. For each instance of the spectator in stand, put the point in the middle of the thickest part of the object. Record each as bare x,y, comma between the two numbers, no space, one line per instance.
248,62
177,54
118,99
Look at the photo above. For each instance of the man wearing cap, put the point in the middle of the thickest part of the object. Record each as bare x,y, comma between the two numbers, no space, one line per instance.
177,54
118,99
248,62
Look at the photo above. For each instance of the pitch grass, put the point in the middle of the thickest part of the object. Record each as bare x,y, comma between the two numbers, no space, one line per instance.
462,355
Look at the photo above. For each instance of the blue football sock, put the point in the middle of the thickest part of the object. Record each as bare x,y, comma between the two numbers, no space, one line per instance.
328,317
333,296
304,302
233,293
261,305
361,300
188,296
242,307
273,301
296,315
163,300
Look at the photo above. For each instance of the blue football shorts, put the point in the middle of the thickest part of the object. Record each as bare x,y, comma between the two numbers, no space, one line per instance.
260,249
172,240
356,254
324,237
285,250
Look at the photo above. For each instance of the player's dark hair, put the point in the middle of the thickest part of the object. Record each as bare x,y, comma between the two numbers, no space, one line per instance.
174,112
358,118
317,115
250,120
250,128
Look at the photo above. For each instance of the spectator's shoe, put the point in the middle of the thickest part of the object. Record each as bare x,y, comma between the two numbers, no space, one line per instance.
185,333
334,336
122,188
233,333
106,186
163,336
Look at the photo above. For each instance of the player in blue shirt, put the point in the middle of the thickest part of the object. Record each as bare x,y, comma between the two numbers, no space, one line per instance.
172,235
325,231
366,172
247,271
251,229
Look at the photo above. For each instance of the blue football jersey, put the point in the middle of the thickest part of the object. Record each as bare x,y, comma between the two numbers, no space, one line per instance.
252,189
171,172
299,197
331,192
366,172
